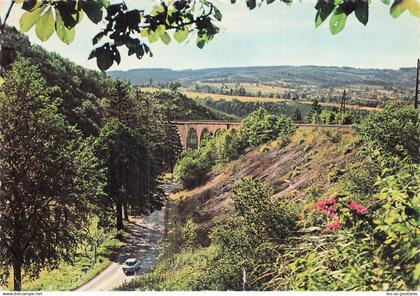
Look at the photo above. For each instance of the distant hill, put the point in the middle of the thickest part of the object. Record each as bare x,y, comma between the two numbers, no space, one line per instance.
364,87
309,75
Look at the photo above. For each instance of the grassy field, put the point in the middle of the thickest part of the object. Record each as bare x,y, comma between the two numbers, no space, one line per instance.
199,95
252,87
194,95
71,276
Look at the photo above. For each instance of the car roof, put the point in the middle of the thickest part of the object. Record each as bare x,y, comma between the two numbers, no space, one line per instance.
131,260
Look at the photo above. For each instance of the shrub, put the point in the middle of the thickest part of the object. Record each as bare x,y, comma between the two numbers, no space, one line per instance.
190,235
393,130
260,127
228,146
264,218
343,118
190,171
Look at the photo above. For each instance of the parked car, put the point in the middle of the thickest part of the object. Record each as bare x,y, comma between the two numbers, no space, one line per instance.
131,265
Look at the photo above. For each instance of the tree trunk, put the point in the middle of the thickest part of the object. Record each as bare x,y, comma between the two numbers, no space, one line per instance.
17,274
126,211
119,215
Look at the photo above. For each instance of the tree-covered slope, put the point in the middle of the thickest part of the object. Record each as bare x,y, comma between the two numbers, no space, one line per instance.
82,90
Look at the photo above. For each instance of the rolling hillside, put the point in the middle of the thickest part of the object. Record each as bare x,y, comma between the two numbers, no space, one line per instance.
364,87
319,75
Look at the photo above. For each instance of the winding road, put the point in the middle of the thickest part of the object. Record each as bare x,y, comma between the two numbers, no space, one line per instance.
142,242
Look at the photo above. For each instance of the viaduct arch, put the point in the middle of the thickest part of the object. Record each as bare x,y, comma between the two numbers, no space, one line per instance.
192,132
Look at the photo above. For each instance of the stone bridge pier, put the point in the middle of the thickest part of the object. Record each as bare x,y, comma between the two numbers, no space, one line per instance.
192,132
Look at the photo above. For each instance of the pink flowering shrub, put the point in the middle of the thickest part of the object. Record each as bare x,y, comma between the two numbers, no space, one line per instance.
334,225
327,206
330,207
354,206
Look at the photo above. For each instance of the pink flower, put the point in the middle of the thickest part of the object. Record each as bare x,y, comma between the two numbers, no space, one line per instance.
334,225
354,206
327,206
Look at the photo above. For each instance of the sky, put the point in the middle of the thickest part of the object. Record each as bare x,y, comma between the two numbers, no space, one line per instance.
275,34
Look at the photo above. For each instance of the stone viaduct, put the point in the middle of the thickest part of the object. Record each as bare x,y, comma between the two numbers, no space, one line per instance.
192,132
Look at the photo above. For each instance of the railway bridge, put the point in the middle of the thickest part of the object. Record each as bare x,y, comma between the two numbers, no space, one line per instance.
192,132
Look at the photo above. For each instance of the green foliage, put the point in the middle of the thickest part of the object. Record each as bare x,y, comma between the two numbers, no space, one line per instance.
397,225
343,118
50,178
131,174
260,127
361,182
190,171
394,131
297,116
190,235
81,90
179,17
249,237
313,114
252,201
340,10
228,146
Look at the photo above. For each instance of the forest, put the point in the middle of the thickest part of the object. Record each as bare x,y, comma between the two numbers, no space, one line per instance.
80,151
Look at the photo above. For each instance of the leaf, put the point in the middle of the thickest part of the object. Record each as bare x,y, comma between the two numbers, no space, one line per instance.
116,55
324,9
362,12
416,272
337,22
93,9
45,26
217,14
106,3
414,7
386,2
133,19
104,58
29,4
165,38
66,12
251,4
65,34
29,19
180,35
201,43
396,8
160,29
144,33
98,37
153,37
